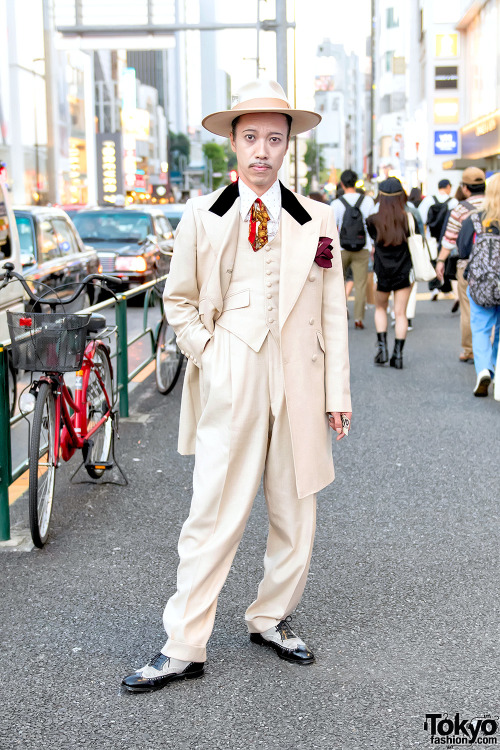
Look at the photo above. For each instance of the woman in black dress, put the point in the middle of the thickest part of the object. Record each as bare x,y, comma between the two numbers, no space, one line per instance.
389,228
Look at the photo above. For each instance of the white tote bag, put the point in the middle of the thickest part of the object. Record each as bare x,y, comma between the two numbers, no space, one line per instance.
420,256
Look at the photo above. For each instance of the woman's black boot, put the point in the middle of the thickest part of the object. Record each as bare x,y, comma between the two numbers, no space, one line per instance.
397,355
382,354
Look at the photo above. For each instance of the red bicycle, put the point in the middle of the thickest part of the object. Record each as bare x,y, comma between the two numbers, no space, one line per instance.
64,420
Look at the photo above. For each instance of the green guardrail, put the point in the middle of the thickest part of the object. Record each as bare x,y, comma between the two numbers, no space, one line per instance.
123,377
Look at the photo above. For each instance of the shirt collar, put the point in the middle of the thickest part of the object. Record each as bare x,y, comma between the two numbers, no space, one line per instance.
271,199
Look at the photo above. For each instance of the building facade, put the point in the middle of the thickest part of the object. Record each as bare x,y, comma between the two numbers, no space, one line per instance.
340,99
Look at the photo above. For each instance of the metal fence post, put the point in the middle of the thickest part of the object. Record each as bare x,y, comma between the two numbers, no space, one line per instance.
5,458
122,355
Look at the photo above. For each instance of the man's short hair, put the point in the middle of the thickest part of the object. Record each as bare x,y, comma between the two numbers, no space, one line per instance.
443,184
476,189
349,178
236,120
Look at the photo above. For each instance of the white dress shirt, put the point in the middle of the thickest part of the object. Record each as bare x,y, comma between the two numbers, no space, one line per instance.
272,201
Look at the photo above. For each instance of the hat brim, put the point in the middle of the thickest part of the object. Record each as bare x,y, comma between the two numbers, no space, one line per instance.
219,123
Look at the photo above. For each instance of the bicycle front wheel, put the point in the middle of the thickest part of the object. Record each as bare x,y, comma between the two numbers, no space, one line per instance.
97,406
168,358
42,469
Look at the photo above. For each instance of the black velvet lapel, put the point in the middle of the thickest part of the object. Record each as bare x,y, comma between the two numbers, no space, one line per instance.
288,201
225,199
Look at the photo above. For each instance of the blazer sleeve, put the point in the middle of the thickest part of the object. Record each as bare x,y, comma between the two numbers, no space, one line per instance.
334,325
181,295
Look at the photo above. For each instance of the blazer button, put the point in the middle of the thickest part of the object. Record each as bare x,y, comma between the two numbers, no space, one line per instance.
269,296
311,321
270,307
268,273
314,357
269,283
312,277
271,320
268,260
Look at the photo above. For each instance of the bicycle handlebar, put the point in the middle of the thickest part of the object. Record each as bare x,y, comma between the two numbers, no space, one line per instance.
10,274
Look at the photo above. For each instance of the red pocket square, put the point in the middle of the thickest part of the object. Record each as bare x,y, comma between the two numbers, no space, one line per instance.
324,252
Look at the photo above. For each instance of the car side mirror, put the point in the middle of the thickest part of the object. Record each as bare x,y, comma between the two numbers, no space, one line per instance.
27,259
147,238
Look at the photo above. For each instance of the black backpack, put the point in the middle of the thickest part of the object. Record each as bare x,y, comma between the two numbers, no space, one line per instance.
352,231
436,216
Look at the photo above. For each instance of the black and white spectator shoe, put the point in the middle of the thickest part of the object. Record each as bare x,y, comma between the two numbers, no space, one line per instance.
285,642
159,671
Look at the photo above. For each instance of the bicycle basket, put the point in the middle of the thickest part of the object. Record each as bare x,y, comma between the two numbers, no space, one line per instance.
49,342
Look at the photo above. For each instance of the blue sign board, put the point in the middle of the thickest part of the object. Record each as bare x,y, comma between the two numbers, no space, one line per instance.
446,142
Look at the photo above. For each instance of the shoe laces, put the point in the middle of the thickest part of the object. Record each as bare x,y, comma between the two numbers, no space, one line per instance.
284,629
158,661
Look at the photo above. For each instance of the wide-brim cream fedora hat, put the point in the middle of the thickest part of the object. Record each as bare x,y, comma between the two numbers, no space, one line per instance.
260,96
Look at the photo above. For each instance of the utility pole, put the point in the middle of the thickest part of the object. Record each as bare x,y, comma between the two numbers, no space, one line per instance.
371,162
51,98
281,44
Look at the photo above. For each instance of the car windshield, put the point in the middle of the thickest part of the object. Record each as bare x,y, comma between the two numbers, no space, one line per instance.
100,226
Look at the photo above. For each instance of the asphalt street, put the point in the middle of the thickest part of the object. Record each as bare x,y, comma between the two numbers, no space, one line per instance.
401,607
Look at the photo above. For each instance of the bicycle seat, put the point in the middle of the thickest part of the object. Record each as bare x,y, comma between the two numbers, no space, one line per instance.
96,323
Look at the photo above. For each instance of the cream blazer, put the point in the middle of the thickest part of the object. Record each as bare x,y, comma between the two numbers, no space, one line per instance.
315,356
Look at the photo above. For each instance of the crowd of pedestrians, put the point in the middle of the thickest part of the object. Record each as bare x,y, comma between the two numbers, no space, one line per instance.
462,235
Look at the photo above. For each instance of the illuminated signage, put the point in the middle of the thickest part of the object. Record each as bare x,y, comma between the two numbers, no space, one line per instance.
109,165
446,110
446,45
446,77
481,137
446,142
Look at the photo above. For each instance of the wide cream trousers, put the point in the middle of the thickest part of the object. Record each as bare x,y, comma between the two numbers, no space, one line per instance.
243,434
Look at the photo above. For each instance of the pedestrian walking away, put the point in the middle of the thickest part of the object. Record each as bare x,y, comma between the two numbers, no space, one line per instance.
256,297
389,227
434,212
473,186
479,244
351,212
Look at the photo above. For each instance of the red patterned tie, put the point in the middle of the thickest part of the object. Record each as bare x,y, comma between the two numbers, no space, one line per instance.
258,237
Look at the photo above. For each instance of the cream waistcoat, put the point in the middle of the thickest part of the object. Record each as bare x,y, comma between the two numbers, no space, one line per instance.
251,302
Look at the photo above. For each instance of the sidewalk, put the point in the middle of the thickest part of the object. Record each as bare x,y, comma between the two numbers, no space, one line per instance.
401,607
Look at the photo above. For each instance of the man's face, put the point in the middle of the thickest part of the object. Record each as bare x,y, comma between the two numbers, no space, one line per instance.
260,144
447,189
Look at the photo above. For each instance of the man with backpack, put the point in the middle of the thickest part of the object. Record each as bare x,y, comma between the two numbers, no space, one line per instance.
435,211
351,212
473,186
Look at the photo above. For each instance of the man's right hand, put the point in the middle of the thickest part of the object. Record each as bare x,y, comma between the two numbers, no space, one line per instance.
440,270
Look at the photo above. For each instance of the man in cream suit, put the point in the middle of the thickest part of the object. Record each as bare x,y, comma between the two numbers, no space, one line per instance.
256,298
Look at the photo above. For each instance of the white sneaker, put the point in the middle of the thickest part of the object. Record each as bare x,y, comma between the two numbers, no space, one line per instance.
482,383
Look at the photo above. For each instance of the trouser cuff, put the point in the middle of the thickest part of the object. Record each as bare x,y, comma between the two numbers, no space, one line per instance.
261,624
184,651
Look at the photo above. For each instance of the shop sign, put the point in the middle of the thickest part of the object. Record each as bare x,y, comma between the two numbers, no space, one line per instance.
446,110
109,166
446,45
446,142
481,137
446,77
